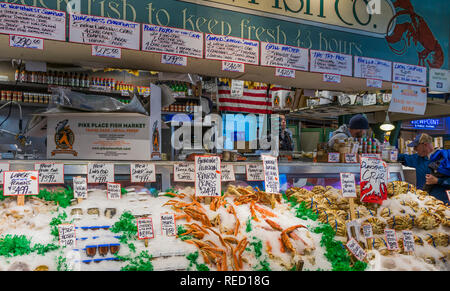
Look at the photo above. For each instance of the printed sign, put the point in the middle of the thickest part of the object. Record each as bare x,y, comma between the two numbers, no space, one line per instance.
67,236
408,99
391,239
168,225
354,247
145,228
26,42
21,183
334,157
351,158
440,80
237,88
174,60
184,172
271,174
284,56
207,176
106,51
255,172
227,171
80,188
233,49
331,63
374,83
367,231
50,173
32,21
105,31
233,67
172,41
374,180
410,74
373,69
332,78
285,73
408,241
113,191
3,168
348,185
143,173
100,173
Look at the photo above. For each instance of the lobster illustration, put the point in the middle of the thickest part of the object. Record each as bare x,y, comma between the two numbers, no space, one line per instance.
417,30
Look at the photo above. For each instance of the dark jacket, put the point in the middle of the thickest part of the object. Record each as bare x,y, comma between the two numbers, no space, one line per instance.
420,164
440,168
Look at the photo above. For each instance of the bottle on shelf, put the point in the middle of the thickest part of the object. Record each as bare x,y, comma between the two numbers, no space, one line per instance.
17,76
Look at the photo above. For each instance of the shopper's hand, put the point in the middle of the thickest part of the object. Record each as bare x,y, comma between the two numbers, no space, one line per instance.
431,180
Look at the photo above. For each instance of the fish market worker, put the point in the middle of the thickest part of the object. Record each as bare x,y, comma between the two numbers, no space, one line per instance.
423,145
286,140
357,128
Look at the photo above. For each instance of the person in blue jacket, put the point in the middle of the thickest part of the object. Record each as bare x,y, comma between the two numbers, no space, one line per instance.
423,145
438,181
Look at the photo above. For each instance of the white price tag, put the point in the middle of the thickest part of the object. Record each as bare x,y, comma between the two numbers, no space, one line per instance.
255,172
106,51
367,231
174,60
100,173
408,241
143,173
237,88
369,99
332,78
168,224
271,174
145,228
233,67
356,249
351,158
348,185
207,176
391,239
26,42
227,173
113,191
334,157
50,173
80,188
184,172
285,73
21,183
67,235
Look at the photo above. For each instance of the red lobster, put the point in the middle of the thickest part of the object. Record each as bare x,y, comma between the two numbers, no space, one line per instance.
419,31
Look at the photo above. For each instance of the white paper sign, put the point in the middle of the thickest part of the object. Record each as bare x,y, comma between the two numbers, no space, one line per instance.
331,63
408,99
3,168
100,173
50,173
106,51
21,183
207,176
184,172
168,225
369,99
237,88
271,174
410,74
334,157
391,239
374,83
67,236
284,56
172,41
375,156
332,78
227,171
32,21
351,158
369,68
113,191
285,73
26,42
255,172
356,249
408,241
143,173
367,231
233,67
80,188
174,60
348,185
105,31
374,180
233,49
145,228
440,80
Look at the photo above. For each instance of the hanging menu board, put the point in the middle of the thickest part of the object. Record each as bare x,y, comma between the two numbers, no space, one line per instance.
94,30
255,172
271,175
369,68
331,63
233,49
207,176
284,56
50,173
34,21
408,99
174,41
3,168
410,74
21,183
374,180
184,172
143,173
100,173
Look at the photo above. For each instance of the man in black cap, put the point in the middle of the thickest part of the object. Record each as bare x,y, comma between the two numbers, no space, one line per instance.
356,128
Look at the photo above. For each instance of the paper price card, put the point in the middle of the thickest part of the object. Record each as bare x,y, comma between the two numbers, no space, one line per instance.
21,183
348,185
50,173
351,158
106,51
408,241
207,176
374,180
145,228
237,88
391,239
354,247
284,56
271,174
233,67
113,191
331,63
100,173
168,225
233,49
375,156
3,168
367,231
332,78
174,60
374,83
143,173
80,188
408,99
285,73
32,21
255,172
373,69
67,236
227,173
184,172
334,157
410,74
26,42
369,99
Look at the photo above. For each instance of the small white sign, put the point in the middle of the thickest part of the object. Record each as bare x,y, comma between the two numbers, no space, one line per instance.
391,239
143,173
255,172
67,235
113,191
271,174
50,173
227,171
369,99
356,249
100,173
332,78
348,185
233,67
207,176
21,183
374,83
351,158
145,228
408,241
334,157
3,168
370,68
331,63
168,225
26,42
409,74
106,51
174,60
184,172
237,88
285,73
408,99
367,231
440,80
80,188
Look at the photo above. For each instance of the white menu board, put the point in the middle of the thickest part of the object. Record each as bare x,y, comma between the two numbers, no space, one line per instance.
409,74
331,63
21,183
100,173
34,21
255,172
80,188
233,49
184,172
207,176
143,173
227,172
170,40
50,173
284,56
3,168
67,235
369,68
118,33
271,174
145,228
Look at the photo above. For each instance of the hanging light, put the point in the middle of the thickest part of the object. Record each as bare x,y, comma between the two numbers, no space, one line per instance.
387,125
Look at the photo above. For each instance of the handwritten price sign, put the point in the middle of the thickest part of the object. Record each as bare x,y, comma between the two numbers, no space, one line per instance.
348,185
145,228
408,241
255,172
67,236
207,176
271,174
227,173
285,73
21,183
143,173
107,52
332,78
79,188
26,42
184,172
100,173
356,249
391,239
233,67
114,191
174,60
50,173
168,225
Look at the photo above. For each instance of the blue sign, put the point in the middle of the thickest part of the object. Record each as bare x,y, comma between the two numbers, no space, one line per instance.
429,124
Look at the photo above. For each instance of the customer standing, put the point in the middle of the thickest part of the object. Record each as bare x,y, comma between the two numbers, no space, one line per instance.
438,182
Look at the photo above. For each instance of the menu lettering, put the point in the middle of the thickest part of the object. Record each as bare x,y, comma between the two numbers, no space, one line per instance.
391,239
21,183
207,176
233,67
227,173
254,172
67,236
237,88
410,74
80,188
184,172
348,185
284,56
354,247
143,173
168,225
114,191
174,60
233,49
145,228
50,173
3,168
408,99
271,175
100,173
106,51
374,180
331,63
369,68
26,42
408,241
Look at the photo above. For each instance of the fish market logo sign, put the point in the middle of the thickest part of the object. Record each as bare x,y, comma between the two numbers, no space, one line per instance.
64,139
367,17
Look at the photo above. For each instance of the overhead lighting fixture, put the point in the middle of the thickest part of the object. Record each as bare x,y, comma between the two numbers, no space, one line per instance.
387,125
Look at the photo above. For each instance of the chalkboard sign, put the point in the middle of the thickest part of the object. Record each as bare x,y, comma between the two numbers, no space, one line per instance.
100,173
331,63
356,249
113,191
184,172
374,180
207,176
143,173
168,224
67,235
50,173
369,68
255,172
233,49
391,239
80,188
21,183
284,56
271,174
348,185
145,228
3,168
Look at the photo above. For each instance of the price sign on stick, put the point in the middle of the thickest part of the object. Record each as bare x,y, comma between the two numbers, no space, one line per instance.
184,172
50,173
114,191
351,158
80,188
100,173
367,231
408,241
143,173
374,180
391,239
168,225
207,176
254,172
348,185
354,247
67,236
3,168
21,183
227,173
271,174
145,229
